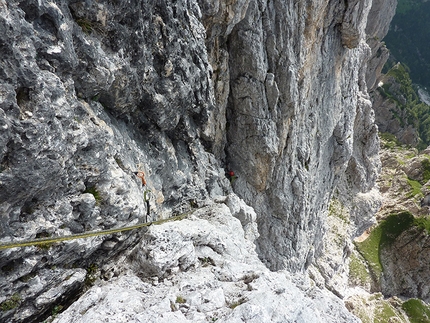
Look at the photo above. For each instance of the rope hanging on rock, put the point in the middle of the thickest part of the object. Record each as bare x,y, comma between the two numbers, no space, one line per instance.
146,198
43,241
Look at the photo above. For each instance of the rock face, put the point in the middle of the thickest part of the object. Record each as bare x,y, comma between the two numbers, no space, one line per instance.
92,91
392,101
405,265
203,269
276,164
404,181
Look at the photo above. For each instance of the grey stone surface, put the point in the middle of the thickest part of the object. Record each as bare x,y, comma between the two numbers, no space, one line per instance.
316,64
84,103
203,269
378,22
91,91
405,265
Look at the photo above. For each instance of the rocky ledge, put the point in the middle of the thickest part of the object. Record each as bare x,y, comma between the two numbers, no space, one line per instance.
204,269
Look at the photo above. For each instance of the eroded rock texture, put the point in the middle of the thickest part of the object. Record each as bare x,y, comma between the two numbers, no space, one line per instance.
92,91
203,269
406,265
306,76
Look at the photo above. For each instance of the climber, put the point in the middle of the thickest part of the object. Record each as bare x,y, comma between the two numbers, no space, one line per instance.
141,175
146,193
146,197
231,176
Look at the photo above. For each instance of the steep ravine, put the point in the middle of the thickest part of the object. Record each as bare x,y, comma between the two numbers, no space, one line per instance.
93,91
389,266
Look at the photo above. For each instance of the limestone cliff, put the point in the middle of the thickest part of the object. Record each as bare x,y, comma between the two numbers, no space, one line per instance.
92,91
311,72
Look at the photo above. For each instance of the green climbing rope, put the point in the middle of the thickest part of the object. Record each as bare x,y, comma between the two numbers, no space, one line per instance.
44,241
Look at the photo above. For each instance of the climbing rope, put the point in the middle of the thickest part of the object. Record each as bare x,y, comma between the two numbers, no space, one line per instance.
44,241
50,240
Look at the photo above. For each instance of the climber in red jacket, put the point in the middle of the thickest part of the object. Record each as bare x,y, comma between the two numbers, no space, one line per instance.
141,175
231,176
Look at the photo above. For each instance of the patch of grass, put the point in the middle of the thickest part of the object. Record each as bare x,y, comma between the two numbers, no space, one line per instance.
384,313
375,309
417,311
88,26
96,97
237,303
425,164
91,275
336,209
44,246
93,190
27,277
180,300
358,270
389,140
394,225
384,234
416,188
11,303
56,310
207,261
359,309
423,222
85,24
369,250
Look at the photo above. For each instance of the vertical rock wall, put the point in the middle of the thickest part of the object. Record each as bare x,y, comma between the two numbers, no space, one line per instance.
299,118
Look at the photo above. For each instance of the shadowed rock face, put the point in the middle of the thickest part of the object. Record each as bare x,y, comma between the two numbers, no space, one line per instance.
91,91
